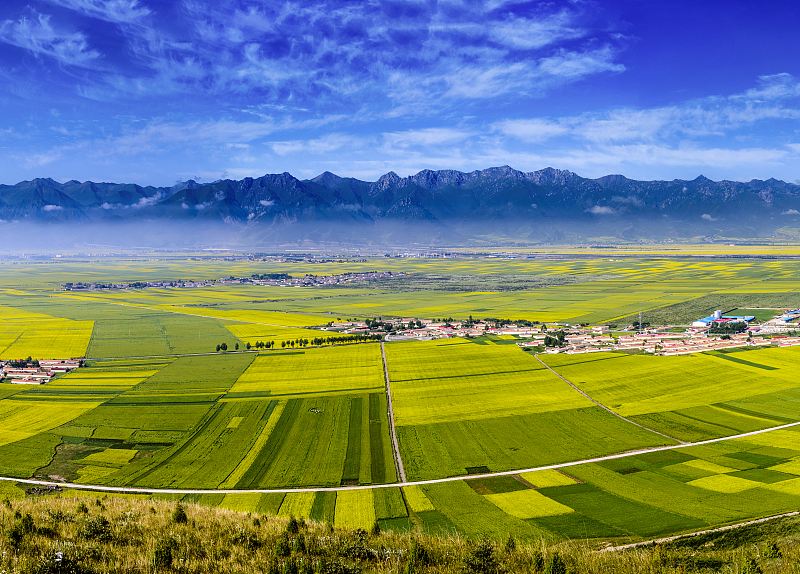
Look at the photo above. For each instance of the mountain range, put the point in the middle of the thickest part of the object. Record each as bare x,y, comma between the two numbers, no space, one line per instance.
511,202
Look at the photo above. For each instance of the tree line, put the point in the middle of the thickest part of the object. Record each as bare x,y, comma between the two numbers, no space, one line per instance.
303,342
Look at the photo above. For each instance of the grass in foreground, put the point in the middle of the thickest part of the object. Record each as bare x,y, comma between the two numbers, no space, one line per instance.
48,535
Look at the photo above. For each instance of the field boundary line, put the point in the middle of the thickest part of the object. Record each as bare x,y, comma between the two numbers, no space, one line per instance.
555,466
676,537
398,461
604,407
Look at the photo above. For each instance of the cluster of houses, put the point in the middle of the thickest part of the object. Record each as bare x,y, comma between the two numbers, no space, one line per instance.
661,343
696,339
586,339
785,323
268,279
35,372
408,329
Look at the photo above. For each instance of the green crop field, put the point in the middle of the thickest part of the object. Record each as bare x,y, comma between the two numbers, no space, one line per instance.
691,397
156,406
213,420
462,407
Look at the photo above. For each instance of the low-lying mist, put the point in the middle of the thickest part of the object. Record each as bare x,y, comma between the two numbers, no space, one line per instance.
31,238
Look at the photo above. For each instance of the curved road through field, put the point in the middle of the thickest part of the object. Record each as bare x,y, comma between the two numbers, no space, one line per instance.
630,453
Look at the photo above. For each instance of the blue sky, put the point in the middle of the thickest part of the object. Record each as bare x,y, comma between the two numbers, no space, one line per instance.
152,92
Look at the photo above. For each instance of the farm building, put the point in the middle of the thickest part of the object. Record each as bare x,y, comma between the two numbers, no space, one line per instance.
37,375
718,317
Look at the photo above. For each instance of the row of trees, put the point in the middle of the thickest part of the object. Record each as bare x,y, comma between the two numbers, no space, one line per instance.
23,363
224,347
319,341
302,342
261,345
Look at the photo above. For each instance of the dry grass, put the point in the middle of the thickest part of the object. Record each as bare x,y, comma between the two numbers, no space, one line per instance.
43,535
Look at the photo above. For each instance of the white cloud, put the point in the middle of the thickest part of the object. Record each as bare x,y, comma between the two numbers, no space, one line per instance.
628,200
697,118
531,130
426,137
534,33
38,36
574,65
266,202
708,217
774,87
147,201
118,11
324,144
601,210
790,212
50,207
37,160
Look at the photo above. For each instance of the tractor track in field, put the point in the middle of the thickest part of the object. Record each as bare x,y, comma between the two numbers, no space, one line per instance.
398,461
555,466
604,407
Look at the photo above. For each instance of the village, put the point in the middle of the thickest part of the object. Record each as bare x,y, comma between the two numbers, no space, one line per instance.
35,372
262,279
716,332
713,333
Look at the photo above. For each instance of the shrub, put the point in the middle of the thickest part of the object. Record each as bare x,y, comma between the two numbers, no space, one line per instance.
163,555
179,515
751,566
299,544
537,561
27,525
511,543
772,552
337,567
97,528
482,559
60,564
556,565
419,555
15,536
356,547
247,539
282,548
292,527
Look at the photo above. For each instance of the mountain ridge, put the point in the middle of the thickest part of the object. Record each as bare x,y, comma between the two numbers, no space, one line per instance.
499,193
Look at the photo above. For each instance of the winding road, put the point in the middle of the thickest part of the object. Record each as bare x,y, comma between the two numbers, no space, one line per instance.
556,466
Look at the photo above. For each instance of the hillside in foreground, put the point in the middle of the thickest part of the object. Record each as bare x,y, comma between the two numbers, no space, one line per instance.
85,535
